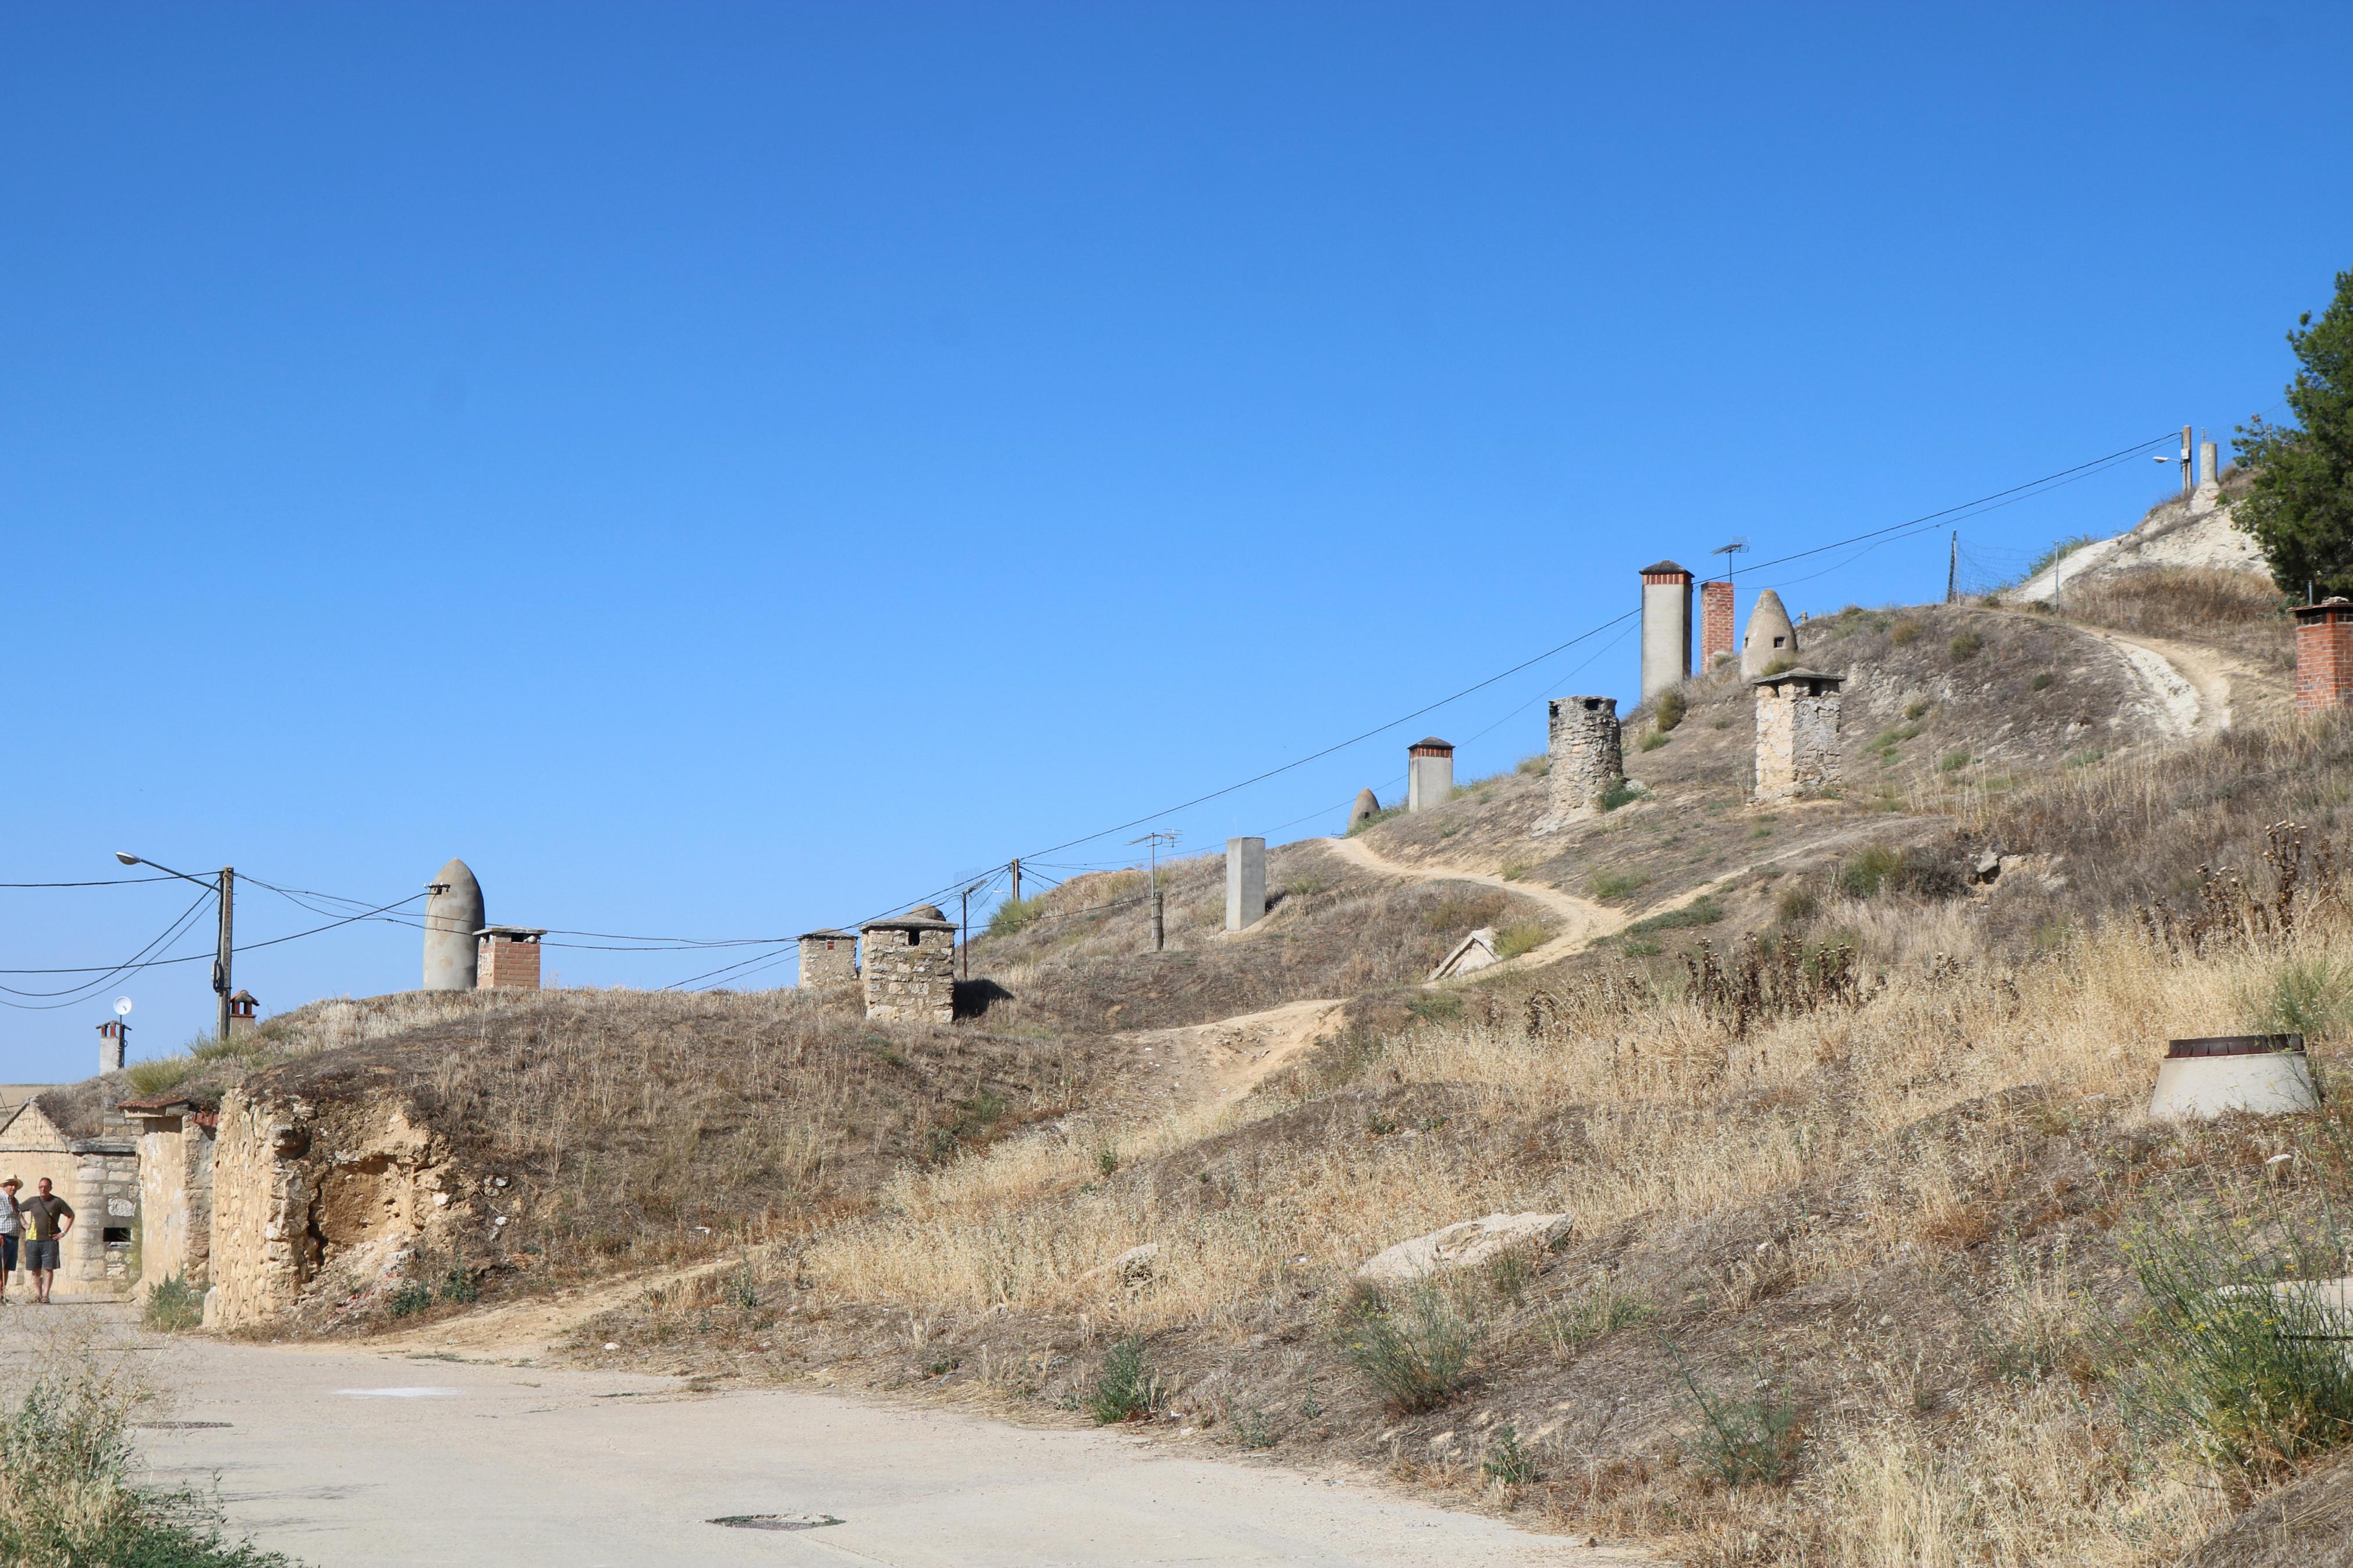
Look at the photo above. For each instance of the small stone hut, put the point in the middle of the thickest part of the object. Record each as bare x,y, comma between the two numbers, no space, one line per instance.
1588,756
829,958
1797,735
90,1152
910,966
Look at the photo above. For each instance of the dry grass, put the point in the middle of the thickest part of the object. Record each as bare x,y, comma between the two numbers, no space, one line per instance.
645,1127
2239,611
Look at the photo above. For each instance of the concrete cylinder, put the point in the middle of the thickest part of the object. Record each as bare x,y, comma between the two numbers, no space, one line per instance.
1666,627
110,1044
1429,774
453,914
1245,882
2207,455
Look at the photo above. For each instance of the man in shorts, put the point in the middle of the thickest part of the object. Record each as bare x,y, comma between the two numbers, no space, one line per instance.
47,1218
12,1225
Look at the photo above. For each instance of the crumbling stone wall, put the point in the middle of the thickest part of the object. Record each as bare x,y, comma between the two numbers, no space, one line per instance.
1797,738
303,1188
1588,756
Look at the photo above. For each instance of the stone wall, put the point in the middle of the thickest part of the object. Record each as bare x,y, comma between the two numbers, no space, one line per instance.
829,958
909,972
175,1200
301,1190
1797,739
1588,756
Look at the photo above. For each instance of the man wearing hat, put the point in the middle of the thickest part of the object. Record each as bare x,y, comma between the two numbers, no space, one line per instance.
49,1217
12,1225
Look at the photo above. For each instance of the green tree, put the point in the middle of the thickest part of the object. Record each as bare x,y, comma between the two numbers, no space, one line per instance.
2300,505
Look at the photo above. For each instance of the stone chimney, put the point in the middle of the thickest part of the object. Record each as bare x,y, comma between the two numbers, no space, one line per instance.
1588,757
829,958
1245,882
1771,638
1429,774
1714,624
2323,656
113,1040
1797,735
1666,627
243,1014
453,913
508,958
910,966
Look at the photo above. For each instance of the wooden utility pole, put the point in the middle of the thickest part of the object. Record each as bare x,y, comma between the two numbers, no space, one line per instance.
963,934
1159,927
1953,572
221,980
1017,879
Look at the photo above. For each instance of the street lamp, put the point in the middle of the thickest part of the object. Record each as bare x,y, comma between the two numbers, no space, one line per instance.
226,887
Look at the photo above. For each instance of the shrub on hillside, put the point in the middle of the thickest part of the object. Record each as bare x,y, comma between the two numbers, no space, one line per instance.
1672,708
1415,1348
1126,1389
1015,913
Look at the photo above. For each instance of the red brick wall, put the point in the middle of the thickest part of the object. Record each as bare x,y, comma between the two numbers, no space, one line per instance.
509,964
2324,658
1714,624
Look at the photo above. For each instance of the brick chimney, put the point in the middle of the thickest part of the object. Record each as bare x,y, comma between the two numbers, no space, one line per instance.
1715,630
507,958
2323,656
243,1014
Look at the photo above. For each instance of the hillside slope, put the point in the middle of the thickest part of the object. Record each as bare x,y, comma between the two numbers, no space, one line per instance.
1841,1129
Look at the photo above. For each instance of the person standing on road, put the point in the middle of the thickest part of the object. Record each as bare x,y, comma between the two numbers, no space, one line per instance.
49,1218
12,1225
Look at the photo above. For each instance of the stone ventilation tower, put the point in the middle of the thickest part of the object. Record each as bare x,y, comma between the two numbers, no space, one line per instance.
1429,774
1666,627
1588,757
829,958
2324,657
910,968
1368,806
1771,638
1797,735
1714,624
453,915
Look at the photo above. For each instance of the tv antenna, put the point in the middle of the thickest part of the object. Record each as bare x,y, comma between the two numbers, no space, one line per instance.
1739,547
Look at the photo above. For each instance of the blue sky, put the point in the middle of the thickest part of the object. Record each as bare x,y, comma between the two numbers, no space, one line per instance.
728,469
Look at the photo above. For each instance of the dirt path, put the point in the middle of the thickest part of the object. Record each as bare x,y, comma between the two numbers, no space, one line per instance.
1586,923
2190,688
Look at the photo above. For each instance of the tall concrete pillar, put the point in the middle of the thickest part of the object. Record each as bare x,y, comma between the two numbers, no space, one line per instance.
1429,774
2209,493
453,915
1245,882
1666,627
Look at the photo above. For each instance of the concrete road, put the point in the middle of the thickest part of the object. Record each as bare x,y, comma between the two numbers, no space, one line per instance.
345,1460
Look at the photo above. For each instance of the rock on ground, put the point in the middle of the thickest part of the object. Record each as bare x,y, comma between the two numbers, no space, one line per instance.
1468,1244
